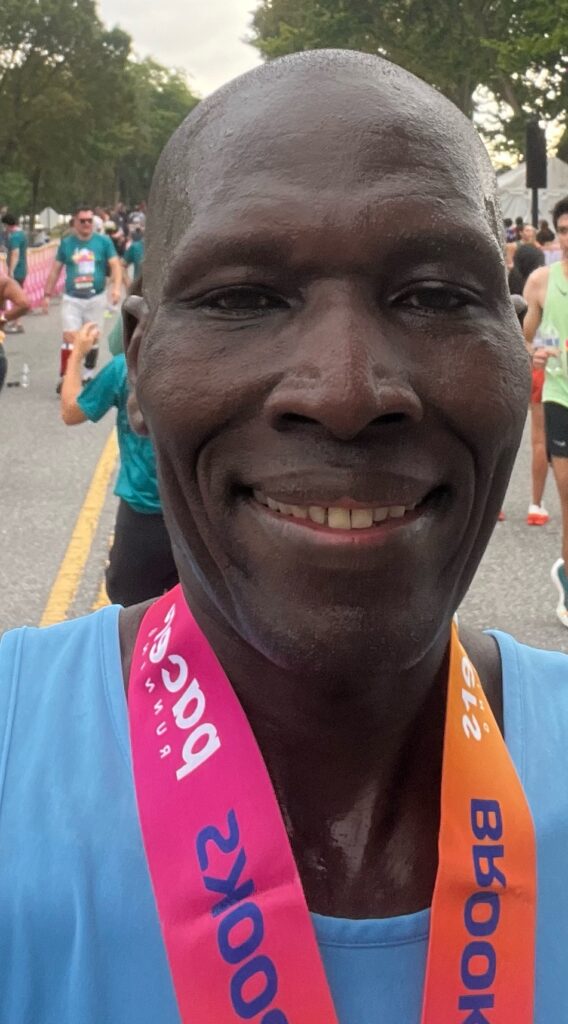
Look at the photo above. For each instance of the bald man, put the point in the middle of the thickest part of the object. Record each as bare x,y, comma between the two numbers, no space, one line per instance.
303,810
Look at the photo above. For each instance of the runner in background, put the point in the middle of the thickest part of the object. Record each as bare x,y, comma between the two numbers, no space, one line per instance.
17,260
546,332
526,259
87,258
10,292
300,359
141,564
133,257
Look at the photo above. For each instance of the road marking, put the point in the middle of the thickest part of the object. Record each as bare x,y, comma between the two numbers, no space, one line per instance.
75,558
101,599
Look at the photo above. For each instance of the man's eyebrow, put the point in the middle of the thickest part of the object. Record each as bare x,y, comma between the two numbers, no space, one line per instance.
203,252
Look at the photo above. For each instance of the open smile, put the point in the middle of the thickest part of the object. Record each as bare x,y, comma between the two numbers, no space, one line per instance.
346,519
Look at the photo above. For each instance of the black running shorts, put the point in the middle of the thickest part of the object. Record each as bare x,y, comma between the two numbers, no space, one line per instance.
556,420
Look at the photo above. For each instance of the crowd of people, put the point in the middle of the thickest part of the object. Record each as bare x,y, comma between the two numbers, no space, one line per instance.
296,787
100,258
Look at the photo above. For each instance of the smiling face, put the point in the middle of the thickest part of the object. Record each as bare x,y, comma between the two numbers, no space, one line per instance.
331,368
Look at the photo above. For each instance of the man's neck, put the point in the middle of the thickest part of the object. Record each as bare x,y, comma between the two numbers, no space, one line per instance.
357,770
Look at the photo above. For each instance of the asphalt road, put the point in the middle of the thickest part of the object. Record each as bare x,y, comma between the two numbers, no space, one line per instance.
46,468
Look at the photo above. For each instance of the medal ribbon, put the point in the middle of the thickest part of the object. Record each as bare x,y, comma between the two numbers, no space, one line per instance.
236,927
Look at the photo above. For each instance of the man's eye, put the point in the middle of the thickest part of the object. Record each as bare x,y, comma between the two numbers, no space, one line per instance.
436,299
241,302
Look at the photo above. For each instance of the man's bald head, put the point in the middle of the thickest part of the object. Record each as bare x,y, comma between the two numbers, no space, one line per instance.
248,128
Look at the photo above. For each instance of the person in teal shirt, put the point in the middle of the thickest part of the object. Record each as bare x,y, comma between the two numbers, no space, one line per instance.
86,263
17,246
141,564
324,284
134,256
87,258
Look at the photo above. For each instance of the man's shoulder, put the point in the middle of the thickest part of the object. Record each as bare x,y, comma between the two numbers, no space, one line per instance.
68,243
537,281
27,646
540,275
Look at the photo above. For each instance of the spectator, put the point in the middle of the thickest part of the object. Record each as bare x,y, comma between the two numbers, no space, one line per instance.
545,235
528,235
527,258
510,232
134,257
17,249
120,218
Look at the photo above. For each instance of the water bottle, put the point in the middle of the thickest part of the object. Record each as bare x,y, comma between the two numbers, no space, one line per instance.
550,338
25,376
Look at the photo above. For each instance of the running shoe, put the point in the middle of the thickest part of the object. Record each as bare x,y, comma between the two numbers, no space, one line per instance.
560,580
537,515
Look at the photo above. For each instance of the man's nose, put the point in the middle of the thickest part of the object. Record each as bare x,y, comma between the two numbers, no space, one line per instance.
347,372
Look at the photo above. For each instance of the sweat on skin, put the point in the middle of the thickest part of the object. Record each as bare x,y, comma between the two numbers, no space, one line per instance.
327,323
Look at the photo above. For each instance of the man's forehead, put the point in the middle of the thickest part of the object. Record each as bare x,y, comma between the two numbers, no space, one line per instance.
319,128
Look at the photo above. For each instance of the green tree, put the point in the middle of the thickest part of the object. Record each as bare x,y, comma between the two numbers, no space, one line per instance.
498,60
74,104
161,100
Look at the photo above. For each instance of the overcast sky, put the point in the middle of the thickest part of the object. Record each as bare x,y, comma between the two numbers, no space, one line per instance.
204,37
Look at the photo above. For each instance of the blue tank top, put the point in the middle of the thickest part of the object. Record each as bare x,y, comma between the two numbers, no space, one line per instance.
80,941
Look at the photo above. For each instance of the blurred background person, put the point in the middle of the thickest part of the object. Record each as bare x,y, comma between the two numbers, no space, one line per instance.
141,564
17,260
10,292
529,257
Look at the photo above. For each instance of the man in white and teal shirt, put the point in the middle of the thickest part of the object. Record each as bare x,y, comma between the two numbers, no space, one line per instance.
546,293
88,259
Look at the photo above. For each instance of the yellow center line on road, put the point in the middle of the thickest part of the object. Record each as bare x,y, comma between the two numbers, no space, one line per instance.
71,569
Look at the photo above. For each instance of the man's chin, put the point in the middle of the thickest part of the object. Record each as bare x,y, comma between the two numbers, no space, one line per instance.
343,643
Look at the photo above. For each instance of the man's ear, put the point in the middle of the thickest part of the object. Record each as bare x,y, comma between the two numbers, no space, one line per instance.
134,318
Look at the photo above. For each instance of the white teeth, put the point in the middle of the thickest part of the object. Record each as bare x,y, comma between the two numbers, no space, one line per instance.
335,518
380,514
361,518
339,519
317,514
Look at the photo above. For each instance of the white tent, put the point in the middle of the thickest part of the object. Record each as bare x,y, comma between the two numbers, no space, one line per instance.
50,218
516,198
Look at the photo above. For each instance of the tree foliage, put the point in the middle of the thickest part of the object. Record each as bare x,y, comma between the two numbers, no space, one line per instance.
80,117
498,60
